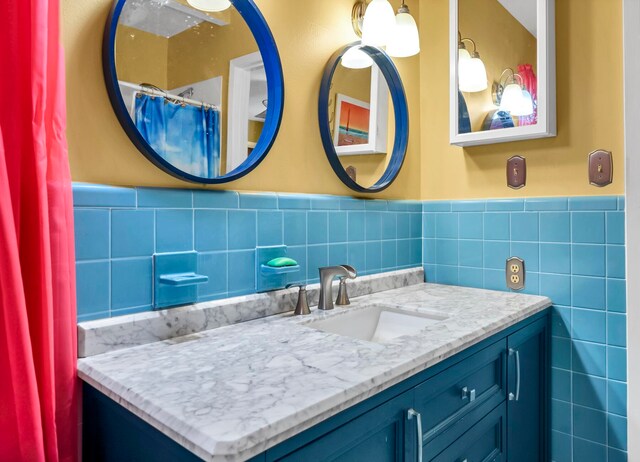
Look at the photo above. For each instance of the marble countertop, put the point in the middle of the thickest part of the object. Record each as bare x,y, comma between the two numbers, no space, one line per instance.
230,393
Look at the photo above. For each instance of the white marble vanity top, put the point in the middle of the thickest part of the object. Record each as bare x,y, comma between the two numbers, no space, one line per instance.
232,392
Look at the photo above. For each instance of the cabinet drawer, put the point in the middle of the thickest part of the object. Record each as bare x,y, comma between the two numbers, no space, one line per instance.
484,442
445,399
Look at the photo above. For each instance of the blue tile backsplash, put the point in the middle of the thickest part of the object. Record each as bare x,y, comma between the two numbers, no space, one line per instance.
574,253
119,230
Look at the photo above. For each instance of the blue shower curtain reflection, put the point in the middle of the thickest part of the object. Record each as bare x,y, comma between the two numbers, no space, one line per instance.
187,137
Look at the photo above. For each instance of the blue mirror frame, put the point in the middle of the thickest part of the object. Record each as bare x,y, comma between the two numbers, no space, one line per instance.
275,93
401,112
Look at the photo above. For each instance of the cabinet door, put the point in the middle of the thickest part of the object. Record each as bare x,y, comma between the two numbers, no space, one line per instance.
527,393
380,435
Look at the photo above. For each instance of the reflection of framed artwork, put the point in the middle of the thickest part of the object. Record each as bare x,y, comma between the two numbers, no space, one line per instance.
352,121
361,127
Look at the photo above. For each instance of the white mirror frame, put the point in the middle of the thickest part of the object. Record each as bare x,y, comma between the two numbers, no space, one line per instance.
546,67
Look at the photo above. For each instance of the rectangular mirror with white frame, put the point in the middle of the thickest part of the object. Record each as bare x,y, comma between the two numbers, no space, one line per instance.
502,71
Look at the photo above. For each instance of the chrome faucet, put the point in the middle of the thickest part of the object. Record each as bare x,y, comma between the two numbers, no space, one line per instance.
327,274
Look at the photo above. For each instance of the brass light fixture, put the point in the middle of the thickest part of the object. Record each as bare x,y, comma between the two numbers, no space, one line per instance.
375,23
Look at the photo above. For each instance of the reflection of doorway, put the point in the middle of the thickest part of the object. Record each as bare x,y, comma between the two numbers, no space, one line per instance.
247,91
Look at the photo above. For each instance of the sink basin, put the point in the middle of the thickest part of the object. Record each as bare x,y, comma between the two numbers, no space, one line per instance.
379,324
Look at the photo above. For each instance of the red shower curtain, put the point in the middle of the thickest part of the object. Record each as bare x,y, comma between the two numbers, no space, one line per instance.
38,385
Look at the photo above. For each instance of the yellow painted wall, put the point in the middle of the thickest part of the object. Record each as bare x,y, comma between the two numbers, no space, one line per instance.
502,43
590,107
590,111
142,57
100,152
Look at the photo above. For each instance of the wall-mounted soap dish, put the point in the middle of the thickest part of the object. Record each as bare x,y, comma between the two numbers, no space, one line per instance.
274,271
176,279
273,277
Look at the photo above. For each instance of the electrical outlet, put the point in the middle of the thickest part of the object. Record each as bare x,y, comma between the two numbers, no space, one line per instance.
515,273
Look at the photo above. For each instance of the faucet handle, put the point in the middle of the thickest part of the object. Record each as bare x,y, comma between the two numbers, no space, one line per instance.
302,306
343,297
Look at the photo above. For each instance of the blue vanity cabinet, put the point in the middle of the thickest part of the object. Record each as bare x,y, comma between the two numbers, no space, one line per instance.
527,410
487,403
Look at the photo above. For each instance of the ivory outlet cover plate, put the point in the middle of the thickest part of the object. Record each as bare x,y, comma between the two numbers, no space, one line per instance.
515,273
517,172
600,168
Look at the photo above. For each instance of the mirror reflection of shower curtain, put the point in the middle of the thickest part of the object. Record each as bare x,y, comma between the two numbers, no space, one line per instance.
187,137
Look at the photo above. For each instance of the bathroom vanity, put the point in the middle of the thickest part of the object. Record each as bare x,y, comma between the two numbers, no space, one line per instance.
470,383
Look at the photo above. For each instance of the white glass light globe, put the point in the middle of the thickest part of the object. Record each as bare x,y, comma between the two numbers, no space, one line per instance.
355,58
379,21
525,107
472,75
211,6
405,39
511,98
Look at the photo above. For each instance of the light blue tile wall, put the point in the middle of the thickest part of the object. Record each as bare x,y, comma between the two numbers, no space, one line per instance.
119,229
574,253
573,249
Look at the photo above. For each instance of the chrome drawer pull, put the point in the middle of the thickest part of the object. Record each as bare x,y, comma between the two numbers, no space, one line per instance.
470,394
411,413
516,397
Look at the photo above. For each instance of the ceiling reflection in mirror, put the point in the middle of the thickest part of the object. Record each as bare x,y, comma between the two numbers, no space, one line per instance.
193,83
497,64
362,122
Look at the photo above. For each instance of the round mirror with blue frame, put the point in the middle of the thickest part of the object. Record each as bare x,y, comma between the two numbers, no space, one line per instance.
363,117
196,84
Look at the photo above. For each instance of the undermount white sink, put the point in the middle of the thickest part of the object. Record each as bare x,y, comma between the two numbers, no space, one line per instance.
379,324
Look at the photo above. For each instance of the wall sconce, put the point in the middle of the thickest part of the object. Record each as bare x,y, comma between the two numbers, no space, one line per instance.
355,58
377,25
210,6
510,95
472,75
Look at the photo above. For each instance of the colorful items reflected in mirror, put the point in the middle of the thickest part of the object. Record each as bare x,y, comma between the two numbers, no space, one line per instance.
195,91
507,35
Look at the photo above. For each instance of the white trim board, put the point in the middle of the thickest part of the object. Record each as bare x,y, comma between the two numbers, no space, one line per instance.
631,20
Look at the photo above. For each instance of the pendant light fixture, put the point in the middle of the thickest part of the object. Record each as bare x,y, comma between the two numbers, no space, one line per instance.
405,38
510,95
378,23
472,74
355,58
210,6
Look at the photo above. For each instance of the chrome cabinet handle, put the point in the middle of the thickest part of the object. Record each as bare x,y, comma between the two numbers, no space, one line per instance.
516,397
411,413
470,394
